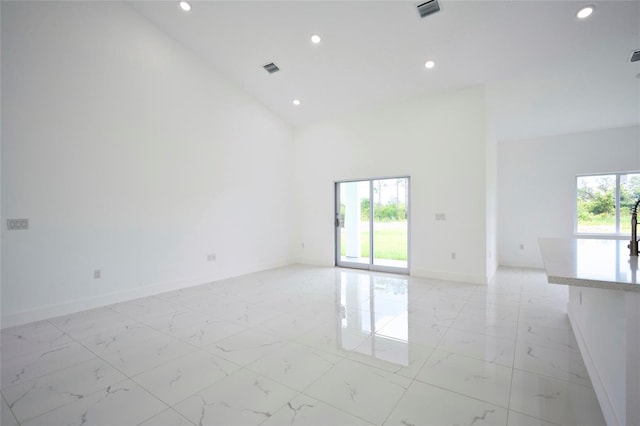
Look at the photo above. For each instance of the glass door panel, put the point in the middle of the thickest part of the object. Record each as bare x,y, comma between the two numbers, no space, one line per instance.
353,231
372,230
390,226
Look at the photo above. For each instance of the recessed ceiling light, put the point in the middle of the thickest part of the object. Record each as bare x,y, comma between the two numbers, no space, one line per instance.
185,5
296,102
429,64
315,39
585,12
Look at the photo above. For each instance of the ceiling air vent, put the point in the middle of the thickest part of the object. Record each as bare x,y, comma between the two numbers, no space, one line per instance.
271,68
427,8
635,56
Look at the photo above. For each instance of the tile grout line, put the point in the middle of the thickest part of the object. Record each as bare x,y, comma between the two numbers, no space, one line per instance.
515,346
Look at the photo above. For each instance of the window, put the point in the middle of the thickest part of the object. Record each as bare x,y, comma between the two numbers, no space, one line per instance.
604,202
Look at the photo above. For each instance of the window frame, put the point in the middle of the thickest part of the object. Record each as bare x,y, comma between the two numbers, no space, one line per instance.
602,235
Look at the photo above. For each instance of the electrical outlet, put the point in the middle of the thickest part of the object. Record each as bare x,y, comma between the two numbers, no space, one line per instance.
97,274
211,257
521,246
17,224
441,216
453,255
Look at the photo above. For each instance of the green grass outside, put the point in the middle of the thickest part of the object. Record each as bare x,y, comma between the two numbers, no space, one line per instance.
605,223
389,243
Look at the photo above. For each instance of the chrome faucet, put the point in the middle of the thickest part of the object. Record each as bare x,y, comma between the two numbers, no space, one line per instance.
633,244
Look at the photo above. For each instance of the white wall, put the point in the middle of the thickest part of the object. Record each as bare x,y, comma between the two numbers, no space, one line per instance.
128,155
598,321
440,141
536,180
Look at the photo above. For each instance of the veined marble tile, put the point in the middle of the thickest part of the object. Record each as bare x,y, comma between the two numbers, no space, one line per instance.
141,309
206,302
490,314
434,310
519,419
475,378
490,297
554,338
562,364
424,334
29,338
363,391
304,410
207,333
245,347
34,397
35,364
428,405
424,316
391,354
486,325
554,400
177,379
136,358
6,416
365,320
550,318
479,346
319,308
169,322
453,288
505,305
333,338
242,398
120,338
169,417
294,365
288,326
120,404
554,297
252,315
228,309
184,296
87,323
285,324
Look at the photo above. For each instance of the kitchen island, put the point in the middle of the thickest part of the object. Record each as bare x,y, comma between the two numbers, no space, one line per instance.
604,311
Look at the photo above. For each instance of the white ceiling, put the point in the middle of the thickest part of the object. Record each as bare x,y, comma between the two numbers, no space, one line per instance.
546,71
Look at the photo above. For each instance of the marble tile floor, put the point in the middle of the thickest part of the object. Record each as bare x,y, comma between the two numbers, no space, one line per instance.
305,345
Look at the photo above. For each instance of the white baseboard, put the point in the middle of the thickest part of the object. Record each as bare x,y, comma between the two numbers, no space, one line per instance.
527,264
449,276
70,307
608,410
313,262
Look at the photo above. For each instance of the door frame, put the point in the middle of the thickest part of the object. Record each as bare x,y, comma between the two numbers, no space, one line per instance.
336,235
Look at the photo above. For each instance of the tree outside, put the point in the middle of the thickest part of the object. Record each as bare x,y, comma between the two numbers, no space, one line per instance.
596,198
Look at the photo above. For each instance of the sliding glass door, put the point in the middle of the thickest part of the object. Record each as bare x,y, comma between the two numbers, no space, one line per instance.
372,224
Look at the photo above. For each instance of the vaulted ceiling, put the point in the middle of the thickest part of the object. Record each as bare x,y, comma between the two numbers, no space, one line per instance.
546,71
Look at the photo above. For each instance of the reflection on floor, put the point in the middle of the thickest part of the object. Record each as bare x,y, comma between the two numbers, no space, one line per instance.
307,345
402,264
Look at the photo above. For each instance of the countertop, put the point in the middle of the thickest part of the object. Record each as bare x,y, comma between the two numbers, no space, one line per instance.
590,263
